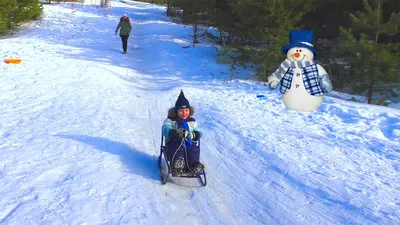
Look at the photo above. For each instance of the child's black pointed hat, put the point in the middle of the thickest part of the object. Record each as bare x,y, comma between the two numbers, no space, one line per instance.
181,102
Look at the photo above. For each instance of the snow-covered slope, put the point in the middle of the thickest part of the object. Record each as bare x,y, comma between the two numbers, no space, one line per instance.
80,130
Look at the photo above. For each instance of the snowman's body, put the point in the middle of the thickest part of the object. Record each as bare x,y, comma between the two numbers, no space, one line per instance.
297,98
303,82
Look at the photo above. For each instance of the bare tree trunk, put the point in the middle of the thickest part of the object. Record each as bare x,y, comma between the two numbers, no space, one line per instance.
371,76
221,38
168,7
370,89
369,95
378,20
195,33
232,70
195,27
104,3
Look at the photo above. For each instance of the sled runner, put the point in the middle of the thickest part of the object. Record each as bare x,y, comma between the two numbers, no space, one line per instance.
164,166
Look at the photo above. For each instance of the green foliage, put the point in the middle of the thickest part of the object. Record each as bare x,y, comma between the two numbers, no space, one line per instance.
14,12
371,61
358,42
7,7
261,28
28,10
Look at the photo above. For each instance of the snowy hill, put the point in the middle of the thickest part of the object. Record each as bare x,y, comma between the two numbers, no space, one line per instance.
80,131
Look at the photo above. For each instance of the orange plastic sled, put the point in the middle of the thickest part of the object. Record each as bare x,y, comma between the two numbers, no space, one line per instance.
13,61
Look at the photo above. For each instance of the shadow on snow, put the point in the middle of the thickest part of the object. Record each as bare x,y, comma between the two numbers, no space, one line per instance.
136,161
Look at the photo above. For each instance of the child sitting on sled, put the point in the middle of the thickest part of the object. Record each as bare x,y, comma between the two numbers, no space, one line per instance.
181,133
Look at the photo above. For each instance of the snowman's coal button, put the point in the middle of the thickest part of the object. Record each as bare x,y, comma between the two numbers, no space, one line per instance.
297,74
297,85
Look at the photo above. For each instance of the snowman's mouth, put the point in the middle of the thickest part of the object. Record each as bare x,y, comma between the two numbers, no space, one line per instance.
294,58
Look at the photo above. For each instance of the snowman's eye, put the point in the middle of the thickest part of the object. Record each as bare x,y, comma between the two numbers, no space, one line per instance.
300,50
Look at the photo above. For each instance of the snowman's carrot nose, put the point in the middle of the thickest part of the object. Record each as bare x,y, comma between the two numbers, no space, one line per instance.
297,55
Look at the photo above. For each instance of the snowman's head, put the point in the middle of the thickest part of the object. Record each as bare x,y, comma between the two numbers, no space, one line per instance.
299,54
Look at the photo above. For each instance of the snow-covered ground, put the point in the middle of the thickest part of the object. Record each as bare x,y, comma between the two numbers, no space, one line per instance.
80,131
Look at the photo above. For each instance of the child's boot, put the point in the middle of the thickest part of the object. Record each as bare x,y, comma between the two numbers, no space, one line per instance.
179,164
197,167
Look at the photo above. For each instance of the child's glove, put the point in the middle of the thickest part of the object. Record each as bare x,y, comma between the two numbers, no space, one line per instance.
273,81
177,133
181,133
325,83
172,134
196,135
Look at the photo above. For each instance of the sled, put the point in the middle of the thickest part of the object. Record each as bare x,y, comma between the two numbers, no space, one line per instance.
13,60
164,167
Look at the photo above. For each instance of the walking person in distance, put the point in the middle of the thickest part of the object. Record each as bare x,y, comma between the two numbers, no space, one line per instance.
124,27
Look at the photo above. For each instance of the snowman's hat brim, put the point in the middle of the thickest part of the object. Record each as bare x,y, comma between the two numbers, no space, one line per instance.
287,47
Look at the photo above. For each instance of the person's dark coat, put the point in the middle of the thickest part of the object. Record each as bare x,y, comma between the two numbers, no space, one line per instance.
125,26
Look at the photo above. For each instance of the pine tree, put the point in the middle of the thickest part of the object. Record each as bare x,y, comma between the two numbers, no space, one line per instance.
27,10
7,9
261,28
372,62
219,15
197,13
283,17
15,12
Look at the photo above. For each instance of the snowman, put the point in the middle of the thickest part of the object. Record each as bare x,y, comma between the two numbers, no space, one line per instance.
303,82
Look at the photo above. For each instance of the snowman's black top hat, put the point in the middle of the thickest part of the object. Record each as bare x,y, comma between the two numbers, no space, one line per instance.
300,38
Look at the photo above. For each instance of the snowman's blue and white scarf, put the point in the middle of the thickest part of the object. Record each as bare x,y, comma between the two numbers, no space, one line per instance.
314,83
311,80
286,64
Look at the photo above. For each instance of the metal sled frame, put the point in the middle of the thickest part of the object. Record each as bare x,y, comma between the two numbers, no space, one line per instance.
164,175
